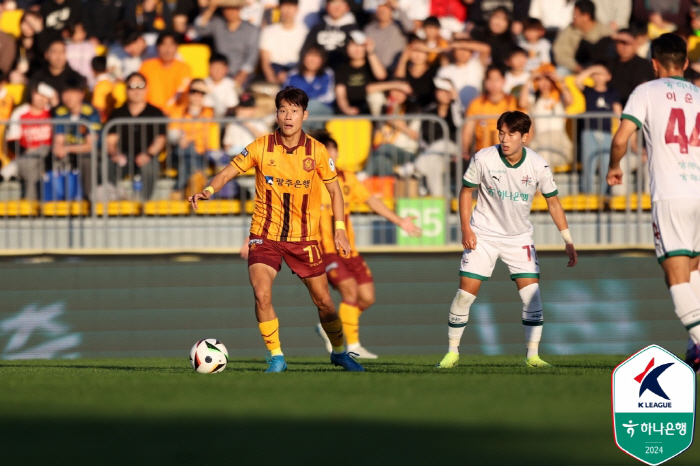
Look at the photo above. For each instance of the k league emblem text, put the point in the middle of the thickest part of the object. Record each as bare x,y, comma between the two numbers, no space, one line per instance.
653,403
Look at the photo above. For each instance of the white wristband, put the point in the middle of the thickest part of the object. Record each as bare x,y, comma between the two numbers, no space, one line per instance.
566,236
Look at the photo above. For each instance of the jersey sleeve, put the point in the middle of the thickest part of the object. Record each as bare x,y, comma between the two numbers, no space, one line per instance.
472,177
248,158
636,108
360,194
545,182
324,165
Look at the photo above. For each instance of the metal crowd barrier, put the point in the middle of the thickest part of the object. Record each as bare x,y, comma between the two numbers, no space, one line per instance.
127,208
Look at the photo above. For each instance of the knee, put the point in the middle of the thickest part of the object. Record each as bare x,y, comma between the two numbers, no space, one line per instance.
365,300
263,296
348,290
324,302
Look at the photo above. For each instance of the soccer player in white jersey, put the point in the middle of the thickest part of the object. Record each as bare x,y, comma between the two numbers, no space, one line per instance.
507,177
668,110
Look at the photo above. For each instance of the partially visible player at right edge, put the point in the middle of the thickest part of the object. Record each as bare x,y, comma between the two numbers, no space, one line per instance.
668,110
507,176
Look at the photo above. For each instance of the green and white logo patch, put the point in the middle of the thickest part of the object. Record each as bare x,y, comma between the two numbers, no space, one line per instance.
653,402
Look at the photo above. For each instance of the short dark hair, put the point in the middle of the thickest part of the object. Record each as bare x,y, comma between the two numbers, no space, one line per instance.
586,7
218,58
130,38
136,74
294,96
669,50
493,67
501,9
515,122
325,138
99,64
533,23
516,50
164,35
431,21
74,83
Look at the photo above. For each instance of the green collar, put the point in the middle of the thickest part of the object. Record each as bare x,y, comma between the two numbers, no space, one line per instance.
680,78
505,160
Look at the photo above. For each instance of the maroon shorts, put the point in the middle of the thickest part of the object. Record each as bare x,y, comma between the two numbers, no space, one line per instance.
303,257
339,269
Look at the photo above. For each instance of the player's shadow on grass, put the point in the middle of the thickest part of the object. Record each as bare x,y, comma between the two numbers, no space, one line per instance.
267,441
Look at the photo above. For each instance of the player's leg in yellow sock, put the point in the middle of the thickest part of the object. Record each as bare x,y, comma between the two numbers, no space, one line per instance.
334,331
350,316
270,332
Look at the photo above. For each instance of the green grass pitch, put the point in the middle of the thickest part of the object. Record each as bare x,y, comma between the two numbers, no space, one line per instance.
403,411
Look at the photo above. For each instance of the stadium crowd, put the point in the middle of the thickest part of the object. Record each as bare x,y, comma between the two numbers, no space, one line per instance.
98,60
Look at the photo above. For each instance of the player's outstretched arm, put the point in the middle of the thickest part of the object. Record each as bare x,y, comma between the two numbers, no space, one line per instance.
618,149
338,205
405,223
465,216
559,217
224,176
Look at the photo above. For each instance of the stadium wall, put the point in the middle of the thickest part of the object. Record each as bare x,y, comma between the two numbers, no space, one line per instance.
72,307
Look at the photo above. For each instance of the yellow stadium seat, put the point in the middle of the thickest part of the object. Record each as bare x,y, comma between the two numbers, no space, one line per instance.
455,204
19,208
364,209
219,207
197,56
166,208
582,202
65,209
119,208
354,139
620,202
10,22
16,91
539,203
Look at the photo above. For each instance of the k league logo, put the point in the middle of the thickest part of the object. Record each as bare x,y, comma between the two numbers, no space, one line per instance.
653,401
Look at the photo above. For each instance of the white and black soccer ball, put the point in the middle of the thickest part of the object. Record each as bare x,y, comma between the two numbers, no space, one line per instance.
209,356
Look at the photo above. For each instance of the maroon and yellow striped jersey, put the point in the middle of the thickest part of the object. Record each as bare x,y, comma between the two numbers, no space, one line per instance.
289,184
354,192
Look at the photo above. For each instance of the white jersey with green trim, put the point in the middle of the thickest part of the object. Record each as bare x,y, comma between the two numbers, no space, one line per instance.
668,110
506,191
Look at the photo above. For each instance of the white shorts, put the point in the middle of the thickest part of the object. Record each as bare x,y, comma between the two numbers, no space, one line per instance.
519,255
676,225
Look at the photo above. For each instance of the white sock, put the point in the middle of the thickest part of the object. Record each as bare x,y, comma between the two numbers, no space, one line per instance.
532,318
687,308
695,284
459,316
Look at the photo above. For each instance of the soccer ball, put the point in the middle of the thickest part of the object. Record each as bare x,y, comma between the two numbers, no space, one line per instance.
208,356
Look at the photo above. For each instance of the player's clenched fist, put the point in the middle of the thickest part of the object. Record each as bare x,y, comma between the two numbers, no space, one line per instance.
468,239
204,195
341,243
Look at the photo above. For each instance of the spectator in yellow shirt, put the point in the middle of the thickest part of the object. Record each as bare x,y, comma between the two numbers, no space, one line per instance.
171,77
194,141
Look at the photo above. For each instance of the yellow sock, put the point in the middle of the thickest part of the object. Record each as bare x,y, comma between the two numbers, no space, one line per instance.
270,332
350,315
334,330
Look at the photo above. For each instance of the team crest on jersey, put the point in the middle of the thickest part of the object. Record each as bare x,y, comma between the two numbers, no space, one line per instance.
308,164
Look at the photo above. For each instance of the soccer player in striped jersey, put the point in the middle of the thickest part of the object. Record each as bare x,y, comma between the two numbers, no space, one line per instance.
351,275
667,109
507,176
291,170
